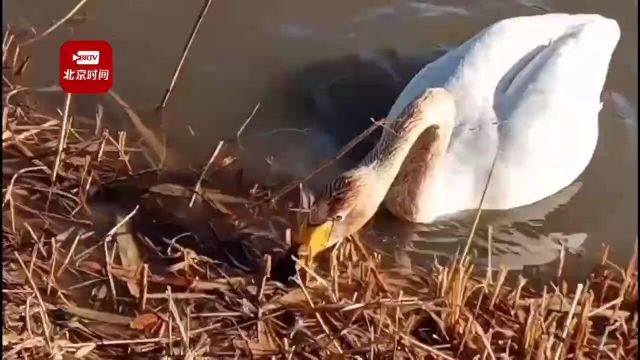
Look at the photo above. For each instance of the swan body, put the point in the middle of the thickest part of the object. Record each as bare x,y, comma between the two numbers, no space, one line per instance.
523,94
527,92
351,199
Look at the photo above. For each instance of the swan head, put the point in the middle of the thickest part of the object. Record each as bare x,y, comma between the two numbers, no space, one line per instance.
349,201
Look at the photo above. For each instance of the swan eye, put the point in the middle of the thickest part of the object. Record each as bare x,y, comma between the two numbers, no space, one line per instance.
338,218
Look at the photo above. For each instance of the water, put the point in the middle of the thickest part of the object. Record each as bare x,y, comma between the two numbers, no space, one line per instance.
320,72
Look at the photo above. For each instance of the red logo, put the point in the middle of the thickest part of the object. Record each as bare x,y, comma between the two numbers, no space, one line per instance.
86,67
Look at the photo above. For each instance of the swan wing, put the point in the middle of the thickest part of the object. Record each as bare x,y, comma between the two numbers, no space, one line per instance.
528,87
548,115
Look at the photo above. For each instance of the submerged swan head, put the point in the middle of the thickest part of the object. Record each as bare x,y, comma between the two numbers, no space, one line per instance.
350,200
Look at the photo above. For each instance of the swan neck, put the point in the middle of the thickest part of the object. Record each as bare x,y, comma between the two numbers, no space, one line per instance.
435,108
394,146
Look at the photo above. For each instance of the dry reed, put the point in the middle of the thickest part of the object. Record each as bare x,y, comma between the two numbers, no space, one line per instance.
70,288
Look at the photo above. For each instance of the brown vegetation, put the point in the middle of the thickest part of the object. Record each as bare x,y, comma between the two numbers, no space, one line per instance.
73,289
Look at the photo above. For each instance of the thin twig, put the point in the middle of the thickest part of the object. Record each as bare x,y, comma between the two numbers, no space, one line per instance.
244,125
63,136
112,284
113,230
71,250
318,316
477,219
148,135
185,51
489,255
196,190
43,308
345,149
57,24
563,252
176,317
144,287
567,323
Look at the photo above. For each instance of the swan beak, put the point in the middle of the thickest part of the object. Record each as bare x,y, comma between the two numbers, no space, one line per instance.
313,239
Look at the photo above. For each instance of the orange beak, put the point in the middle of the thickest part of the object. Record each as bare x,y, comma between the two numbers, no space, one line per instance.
313,239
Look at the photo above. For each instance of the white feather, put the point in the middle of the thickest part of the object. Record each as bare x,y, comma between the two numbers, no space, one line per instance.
529,87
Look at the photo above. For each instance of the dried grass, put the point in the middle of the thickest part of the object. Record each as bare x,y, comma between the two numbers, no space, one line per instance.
71,288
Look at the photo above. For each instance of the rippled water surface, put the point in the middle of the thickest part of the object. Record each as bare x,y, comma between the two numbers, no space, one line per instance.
320,71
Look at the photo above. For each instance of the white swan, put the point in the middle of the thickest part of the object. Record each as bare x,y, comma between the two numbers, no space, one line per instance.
528,87
525,91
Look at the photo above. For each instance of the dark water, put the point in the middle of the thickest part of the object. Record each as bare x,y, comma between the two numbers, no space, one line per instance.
320,72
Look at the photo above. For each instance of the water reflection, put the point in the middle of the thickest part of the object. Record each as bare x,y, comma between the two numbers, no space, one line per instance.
519,238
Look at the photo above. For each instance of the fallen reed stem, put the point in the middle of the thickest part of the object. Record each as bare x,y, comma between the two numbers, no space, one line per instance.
63,135
238,300
477,218
198,186
56,25
343,151
185,51
244,125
